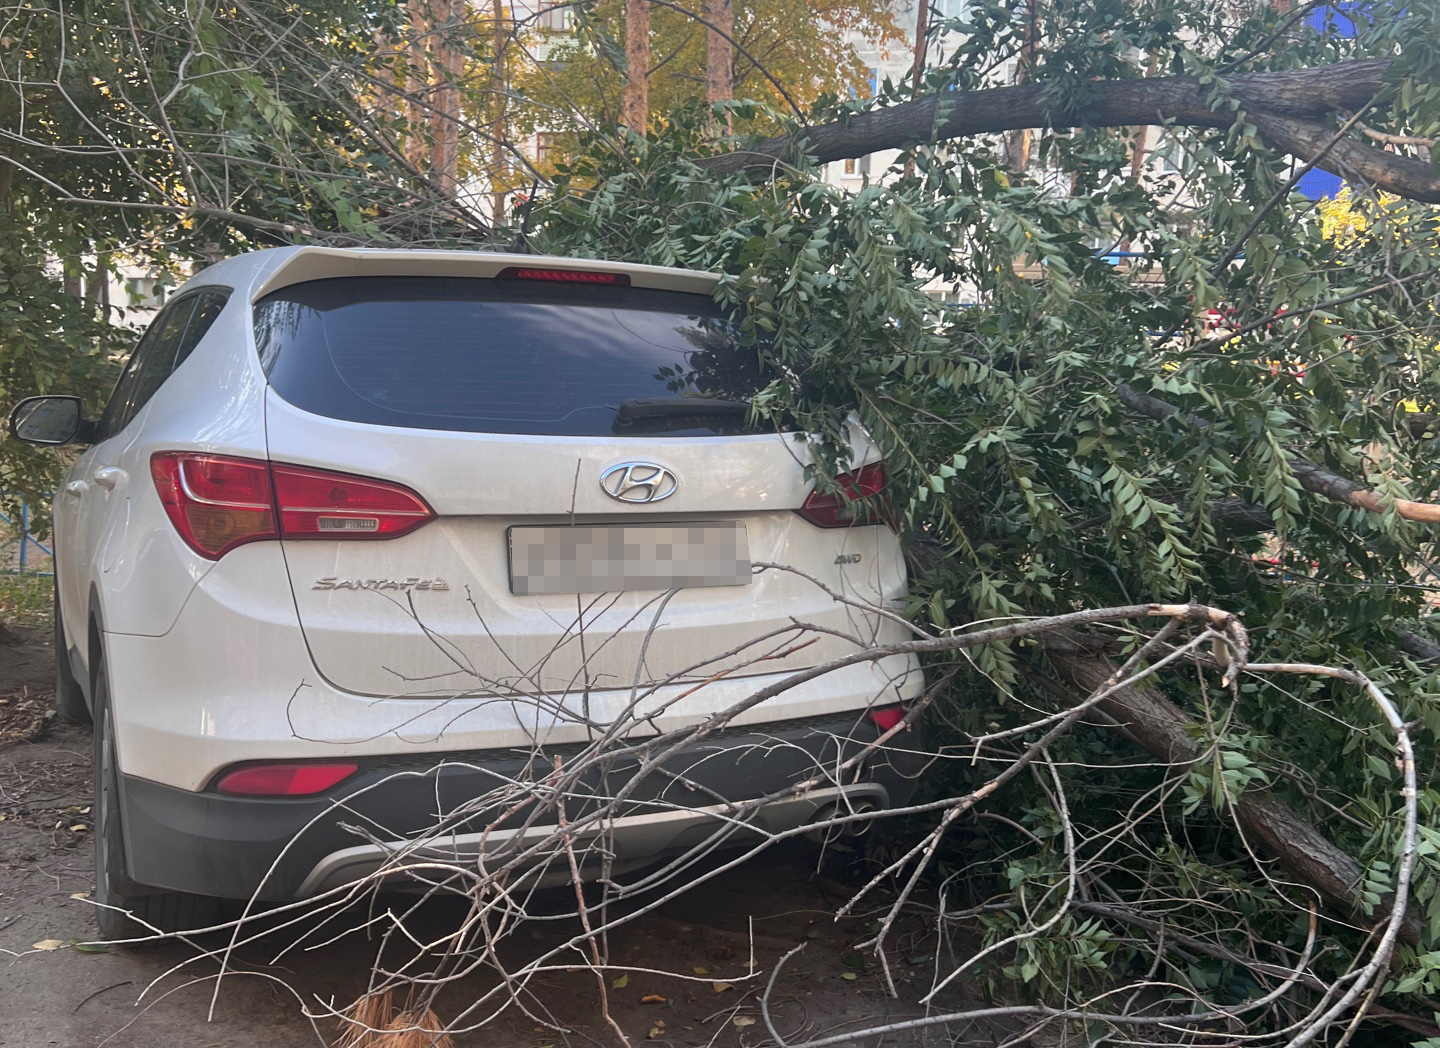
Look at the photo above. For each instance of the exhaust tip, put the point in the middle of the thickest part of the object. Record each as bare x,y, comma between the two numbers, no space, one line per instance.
845,831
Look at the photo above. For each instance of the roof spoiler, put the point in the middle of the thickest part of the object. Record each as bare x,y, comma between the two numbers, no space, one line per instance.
324,263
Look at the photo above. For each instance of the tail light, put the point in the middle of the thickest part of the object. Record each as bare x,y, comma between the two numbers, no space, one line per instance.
886,717
320,504
564,276
294,779
218,502
215,502
863,501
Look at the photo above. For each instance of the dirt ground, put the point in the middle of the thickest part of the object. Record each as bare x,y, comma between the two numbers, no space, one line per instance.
168,995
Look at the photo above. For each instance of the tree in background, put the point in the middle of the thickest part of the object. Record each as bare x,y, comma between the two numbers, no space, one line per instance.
779,53
434,57
720,53
635,88
157,135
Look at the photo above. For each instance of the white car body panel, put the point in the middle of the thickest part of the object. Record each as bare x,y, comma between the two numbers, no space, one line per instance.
475,636
239,685
216,662
213,402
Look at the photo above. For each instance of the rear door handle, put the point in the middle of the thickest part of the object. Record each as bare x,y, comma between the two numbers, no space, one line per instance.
76,488
108,476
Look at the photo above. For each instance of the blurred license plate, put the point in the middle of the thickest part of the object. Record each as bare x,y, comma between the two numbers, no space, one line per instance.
605,558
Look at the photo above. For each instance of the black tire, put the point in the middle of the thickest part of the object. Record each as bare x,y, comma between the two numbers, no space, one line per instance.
139,911
70,704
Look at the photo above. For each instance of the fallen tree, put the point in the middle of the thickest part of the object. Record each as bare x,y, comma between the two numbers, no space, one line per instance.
1078,438
568,806
1290,108
1313,478
1147,718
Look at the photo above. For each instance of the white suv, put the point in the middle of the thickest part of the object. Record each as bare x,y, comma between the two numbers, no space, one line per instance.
352,513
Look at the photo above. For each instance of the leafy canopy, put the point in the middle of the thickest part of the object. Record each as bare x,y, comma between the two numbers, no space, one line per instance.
1035,491
787,52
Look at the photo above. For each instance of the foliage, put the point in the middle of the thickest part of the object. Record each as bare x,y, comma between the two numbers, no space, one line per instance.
51,344
1010,450
158,135
27,600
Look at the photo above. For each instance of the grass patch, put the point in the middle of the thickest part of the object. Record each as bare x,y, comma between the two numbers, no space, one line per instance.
27,600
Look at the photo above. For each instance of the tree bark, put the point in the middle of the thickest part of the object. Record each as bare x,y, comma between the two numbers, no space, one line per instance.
922,44
635,96
434,61
500,37
416,148
445,116
1289,108
1160,727
1017,147
719,54
1419,648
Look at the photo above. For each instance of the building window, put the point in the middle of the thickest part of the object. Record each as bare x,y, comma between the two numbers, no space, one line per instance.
545,143
145,292
555,17
857,168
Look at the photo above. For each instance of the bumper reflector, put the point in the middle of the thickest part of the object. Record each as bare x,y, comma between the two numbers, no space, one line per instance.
285,780
886,718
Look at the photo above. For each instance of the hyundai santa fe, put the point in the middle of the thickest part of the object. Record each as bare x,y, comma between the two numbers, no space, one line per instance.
362,533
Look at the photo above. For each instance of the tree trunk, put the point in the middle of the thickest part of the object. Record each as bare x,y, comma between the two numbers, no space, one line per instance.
1017,146
445,116
417,76
434,65
72,277
1289,108
497,132
922,45
635,97
97,288
1160,727
720,54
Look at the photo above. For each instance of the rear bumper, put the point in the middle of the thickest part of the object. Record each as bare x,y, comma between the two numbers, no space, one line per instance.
282,849
233,681
613,846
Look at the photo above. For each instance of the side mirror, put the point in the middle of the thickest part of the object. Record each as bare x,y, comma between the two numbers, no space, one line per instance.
49,421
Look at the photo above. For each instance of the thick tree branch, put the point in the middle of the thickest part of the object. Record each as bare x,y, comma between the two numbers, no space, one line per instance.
1151,720
1419,648
1287,107
1402,175
1237,515
1313,478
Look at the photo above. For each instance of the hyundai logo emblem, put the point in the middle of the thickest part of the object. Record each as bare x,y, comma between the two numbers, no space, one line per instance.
638,482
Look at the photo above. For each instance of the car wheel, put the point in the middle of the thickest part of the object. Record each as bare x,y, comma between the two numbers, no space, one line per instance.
128,910
70,703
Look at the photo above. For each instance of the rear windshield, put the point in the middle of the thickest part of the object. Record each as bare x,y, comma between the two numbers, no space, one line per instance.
506,356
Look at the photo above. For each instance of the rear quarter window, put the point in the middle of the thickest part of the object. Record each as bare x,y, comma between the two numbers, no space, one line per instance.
505,356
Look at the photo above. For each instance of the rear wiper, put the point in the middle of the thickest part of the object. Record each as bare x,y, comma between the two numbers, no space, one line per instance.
673,407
